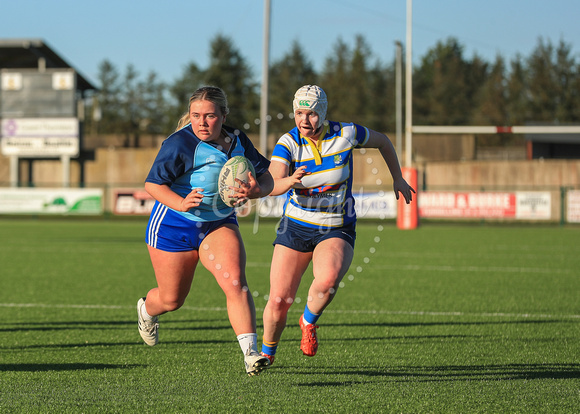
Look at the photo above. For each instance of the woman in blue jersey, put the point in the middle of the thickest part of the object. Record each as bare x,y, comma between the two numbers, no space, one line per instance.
189,222
312,165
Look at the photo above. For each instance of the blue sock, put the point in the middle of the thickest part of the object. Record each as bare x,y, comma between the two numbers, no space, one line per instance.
269,348
309,316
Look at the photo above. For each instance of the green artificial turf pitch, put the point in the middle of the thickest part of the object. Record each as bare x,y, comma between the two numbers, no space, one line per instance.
444,318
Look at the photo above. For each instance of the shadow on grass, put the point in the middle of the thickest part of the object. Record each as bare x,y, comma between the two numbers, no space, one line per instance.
137,342
400,336
496,372
454,323
64,367
194,325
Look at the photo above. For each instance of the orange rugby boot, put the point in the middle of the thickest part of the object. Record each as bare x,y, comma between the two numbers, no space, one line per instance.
309,342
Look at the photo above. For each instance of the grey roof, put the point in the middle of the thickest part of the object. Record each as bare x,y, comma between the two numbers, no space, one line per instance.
25,53
572,138
555,138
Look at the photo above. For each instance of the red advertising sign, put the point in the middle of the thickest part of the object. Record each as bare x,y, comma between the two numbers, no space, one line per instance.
132,201
441,204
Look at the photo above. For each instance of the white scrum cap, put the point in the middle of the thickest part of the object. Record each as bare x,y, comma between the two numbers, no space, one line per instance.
311,97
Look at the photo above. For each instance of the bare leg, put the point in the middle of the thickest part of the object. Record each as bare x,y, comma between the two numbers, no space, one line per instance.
174,273
222,253
287,269
331,260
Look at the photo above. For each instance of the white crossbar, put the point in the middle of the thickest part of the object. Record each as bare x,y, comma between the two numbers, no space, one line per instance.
548,129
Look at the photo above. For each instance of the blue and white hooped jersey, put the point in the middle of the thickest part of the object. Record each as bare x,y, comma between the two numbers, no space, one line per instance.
325,197
185,162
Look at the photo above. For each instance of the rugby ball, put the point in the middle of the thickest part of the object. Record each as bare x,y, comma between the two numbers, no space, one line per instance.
236,167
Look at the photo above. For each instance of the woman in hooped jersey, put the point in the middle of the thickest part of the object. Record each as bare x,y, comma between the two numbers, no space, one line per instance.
312,165
189,223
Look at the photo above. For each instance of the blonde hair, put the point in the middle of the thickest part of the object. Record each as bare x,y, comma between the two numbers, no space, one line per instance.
206,93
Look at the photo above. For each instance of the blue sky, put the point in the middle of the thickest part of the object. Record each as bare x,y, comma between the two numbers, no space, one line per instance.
165,36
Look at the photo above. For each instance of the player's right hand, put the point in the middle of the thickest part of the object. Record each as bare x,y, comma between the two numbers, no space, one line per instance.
299,174
193,199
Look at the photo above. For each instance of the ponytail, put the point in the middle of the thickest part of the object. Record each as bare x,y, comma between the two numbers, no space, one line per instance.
183,121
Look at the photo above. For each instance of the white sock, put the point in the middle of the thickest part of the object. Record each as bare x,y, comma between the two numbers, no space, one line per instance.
144,313
248,342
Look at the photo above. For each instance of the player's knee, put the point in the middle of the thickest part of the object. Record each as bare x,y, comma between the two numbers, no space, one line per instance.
280,305
235,288
327,286
172,304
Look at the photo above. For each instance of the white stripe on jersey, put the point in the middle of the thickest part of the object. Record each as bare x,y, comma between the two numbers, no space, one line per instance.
331,176
280,159
318,218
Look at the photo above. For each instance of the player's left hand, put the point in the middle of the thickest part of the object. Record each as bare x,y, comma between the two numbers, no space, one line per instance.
401,186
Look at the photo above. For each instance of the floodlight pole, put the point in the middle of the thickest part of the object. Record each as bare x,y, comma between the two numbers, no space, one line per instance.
265,81
409,87
398,99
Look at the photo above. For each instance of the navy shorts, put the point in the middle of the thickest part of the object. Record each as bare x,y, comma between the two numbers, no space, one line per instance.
305,239
169,231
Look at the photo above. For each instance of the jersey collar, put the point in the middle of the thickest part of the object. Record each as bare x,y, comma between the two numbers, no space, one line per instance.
316,148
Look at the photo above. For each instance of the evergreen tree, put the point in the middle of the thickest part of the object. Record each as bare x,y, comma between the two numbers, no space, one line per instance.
142,105
381,109
288,74
575,95
477,73
359,101
517,93
107,105
130,107
491,99
335,80
441,95
152,105
179,93
542,84
229,71
447,90
491,103
567,85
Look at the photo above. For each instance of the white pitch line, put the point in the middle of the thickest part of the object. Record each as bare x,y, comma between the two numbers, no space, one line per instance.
62,306
472,269
484,314
347,311
447,268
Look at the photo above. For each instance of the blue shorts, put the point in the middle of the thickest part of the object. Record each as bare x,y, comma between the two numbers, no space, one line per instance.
169,231
305,239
